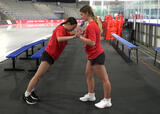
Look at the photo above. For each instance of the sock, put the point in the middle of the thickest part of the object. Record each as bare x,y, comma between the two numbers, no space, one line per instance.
108,99
27,93
32,89
91,94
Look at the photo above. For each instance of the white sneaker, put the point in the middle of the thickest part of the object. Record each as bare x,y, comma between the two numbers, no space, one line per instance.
104,103
88,97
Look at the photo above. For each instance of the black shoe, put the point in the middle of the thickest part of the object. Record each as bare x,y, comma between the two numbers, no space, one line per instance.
29,99
34,96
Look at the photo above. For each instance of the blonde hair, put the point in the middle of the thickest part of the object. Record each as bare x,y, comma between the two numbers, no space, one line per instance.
89,9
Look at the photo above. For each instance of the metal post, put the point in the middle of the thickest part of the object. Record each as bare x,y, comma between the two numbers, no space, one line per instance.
155,58
137,54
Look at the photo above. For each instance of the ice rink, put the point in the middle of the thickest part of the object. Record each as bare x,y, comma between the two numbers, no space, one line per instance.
13,37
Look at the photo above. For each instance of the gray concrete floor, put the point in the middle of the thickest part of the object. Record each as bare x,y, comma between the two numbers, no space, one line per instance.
135,87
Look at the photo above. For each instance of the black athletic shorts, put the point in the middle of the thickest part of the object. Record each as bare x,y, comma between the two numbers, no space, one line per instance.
46,57
99,60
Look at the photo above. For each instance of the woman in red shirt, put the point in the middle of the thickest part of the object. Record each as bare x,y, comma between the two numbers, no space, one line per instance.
55,46
96,58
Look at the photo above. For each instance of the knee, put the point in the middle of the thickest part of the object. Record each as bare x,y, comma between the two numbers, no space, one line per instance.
106,82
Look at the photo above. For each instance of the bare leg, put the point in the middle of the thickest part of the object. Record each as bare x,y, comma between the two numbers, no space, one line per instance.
89,77
43,68
103,76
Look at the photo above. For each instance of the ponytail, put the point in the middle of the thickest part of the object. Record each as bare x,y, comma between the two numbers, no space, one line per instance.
98,23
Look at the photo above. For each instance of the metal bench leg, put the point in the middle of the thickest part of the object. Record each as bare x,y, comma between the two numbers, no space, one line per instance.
13,63
155,58
43,44
32,50
123,48
117,44
129,52
27,56
137,55
13,67
37,64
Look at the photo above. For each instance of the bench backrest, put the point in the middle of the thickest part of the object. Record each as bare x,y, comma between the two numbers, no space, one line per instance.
123,41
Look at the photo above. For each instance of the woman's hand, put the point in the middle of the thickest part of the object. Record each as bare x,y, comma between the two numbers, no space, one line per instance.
78,32
87,41
79,28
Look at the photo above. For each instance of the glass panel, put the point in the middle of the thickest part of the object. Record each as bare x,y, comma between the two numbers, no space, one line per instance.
158,37
158,10
146,9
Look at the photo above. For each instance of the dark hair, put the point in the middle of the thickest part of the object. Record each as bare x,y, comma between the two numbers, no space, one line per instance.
71,20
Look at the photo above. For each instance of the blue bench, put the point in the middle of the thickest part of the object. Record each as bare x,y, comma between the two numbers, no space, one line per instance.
38,55
156,49
126,43
19,51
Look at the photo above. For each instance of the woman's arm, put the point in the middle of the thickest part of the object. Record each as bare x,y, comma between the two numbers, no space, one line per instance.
87,41
72,35
78,31
65,38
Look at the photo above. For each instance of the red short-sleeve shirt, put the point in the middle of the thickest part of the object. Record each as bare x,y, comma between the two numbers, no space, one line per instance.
55,48
93,33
